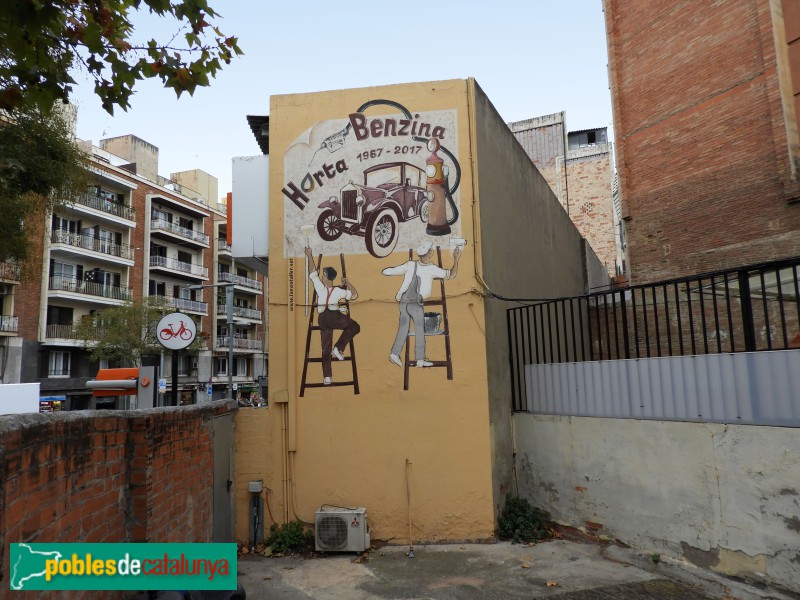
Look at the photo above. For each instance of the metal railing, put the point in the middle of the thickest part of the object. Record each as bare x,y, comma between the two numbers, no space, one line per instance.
79,286
9,271
9,324
240,343
88,242
107,206
176,265
190,305
70,332
238,311
67,332
749,309
239,280
164,225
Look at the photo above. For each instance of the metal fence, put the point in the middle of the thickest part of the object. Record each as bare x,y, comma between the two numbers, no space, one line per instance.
748,309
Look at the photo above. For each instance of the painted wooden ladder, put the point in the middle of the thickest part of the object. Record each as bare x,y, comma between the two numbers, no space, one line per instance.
442,301
318,359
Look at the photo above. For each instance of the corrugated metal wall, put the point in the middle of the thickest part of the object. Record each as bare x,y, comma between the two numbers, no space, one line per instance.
757,388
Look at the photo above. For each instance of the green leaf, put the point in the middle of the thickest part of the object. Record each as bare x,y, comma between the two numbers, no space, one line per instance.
42,40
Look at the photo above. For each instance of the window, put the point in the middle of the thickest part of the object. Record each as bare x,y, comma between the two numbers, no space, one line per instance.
65,225
59,315
241,367
412,176
221,366
183,366
59,364
185,257
158,288
104,278
161,215
186,223
107,240
158,250
62,270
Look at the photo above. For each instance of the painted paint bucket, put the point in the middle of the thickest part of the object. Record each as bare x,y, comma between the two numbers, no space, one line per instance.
432,322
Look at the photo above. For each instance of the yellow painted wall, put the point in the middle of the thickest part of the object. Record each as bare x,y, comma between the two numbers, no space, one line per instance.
335,447
251,463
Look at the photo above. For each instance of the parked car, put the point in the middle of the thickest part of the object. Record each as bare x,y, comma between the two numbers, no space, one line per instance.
392,193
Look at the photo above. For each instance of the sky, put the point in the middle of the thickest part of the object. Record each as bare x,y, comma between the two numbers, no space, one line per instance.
531,57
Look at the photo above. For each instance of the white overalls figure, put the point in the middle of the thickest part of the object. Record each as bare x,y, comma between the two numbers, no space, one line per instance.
418,276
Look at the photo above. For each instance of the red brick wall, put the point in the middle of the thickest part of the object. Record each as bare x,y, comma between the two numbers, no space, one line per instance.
106,477
702,150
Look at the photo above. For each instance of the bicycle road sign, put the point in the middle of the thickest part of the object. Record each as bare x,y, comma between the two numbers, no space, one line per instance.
175,331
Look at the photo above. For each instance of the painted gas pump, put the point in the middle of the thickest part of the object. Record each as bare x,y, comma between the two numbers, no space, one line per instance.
437,171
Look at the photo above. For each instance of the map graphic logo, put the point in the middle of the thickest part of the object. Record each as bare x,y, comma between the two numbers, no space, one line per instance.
29,564
122,566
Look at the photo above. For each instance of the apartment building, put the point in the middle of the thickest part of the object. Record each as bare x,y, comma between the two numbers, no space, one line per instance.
10,342
578,167
132,234
249,367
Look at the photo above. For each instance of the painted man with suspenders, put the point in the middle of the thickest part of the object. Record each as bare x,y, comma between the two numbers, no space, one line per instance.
332,315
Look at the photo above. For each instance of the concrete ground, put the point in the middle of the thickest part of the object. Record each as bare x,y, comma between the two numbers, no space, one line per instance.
560,569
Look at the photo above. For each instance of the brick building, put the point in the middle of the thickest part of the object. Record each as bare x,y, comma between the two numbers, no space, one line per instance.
132,234
705,109
577,166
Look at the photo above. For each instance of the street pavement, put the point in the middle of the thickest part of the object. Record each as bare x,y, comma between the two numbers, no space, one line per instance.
560,569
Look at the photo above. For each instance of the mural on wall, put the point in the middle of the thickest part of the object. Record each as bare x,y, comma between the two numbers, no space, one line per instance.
333,313
415,289
370,184
374,185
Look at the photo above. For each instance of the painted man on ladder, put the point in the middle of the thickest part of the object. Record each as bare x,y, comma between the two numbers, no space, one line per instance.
331,314
418,279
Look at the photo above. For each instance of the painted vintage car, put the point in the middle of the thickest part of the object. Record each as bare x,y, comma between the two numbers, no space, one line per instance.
392,193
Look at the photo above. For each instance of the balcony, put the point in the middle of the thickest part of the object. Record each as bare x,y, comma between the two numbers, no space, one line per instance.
223,246
87,242
192,306
8,324
63,283
64,332
107,206
226,277
9,272
239,344
55,331
157,225
175,265
238,311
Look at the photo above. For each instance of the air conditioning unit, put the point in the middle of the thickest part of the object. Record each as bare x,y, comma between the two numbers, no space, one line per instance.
341,529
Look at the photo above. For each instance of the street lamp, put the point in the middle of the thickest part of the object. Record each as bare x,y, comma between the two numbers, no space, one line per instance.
229,319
